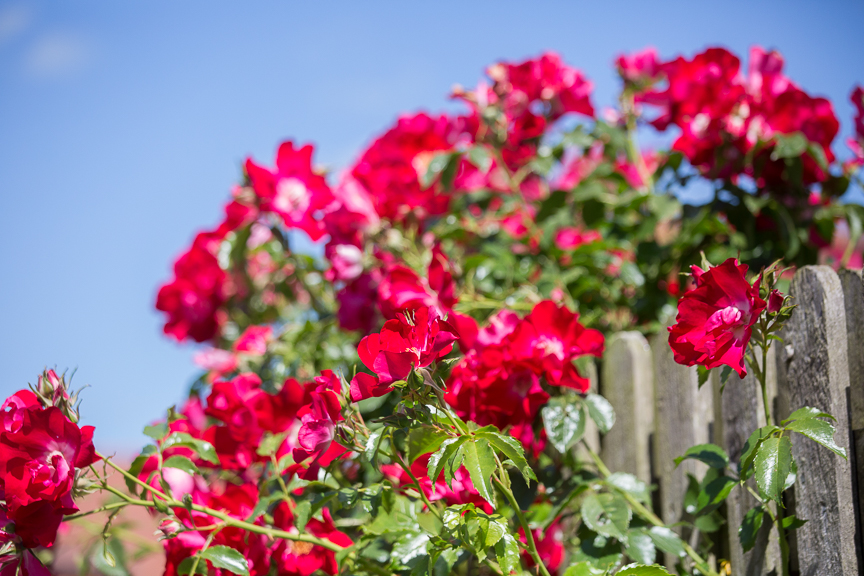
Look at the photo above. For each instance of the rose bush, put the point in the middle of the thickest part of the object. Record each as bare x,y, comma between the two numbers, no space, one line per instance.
407,399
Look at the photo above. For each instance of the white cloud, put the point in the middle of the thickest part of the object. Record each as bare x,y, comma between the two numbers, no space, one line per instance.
13,21
57,55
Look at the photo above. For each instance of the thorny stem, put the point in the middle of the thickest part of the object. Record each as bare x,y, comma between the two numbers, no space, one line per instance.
227,519
529,536
647,514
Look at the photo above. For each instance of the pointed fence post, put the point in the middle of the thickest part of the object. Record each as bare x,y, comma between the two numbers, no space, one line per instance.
628,384
813,370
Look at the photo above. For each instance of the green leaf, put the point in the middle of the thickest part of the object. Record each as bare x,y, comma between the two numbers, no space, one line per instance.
792,523
564,423
480,463
185,567
630,484
270,443
227,559
480,157
711,454
181,463
642,570
204,449
373,444
445,452
410,546
748,452
789,145
749,529
302,514
667,541
710,522
507,551
773,463
817,430
157,431
137,466
584,568
640,546
601,412
512,450
806,413
714,493
607,514
703,373
423,440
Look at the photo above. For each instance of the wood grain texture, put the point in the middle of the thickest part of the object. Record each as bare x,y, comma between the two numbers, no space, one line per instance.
683,416
628,384
813,370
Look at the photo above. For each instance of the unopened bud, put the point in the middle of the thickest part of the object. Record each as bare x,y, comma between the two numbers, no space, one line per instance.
775,301
168,528
83,485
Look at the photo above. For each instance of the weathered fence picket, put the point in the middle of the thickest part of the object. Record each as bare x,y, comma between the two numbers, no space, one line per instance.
813,370
853,291
630,390
820,364
683,417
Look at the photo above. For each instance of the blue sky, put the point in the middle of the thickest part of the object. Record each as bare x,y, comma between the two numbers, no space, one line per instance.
124,124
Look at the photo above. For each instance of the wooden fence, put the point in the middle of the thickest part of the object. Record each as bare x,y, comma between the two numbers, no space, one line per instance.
819,364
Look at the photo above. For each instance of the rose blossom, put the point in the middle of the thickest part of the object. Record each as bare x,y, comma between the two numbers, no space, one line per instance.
715,319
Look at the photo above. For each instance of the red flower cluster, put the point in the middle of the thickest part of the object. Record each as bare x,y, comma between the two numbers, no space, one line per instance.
288,558
724,116
415,339
199,289
41,450
390,169
498,381
306,414
715,319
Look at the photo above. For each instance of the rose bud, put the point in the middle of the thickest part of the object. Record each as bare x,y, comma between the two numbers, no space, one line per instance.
775,301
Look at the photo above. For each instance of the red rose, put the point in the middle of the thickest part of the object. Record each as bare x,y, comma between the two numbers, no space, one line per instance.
715,319
413,340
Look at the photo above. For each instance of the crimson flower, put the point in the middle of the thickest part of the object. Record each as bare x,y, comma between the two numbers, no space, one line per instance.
293,189
40,450
413,340
315,446
301,558
192,300
715,319
549,339
550,547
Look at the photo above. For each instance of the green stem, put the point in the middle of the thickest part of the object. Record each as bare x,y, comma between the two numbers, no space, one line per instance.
228,520
201,552
96,511
647,514
398,459
766,406
529,536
